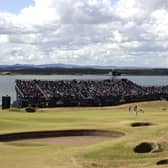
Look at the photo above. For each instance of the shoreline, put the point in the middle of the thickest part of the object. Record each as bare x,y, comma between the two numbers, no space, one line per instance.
77,74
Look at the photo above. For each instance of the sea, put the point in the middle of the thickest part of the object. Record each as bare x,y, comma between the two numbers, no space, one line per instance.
7,82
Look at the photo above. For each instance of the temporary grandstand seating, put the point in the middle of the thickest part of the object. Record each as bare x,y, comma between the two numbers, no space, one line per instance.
84,93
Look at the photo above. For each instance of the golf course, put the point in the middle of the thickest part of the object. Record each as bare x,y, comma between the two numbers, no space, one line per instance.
85,137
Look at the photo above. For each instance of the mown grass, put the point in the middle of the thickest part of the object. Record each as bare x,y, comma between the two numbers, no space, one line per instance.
117,153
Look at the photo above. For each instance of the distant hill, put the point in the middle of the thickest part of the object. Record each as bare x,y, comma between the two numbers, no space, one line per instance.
78,69
28,66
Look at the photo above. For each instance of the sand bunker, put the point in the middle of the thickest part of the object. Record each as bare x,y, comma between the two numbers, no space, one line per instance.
146,147
162,162
61,136
71,140
140,124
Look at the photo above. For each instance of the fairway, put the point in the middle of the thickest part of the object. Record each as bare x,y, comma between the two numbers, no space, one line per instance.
104,153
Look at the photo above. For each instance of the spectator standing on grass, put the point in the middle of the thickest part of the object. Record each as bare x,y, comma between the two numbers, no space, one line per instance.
141,110
136,109
129,108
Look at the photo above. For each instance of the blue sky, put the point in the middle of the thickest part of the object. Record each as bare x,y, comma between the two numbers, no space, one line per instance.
14,6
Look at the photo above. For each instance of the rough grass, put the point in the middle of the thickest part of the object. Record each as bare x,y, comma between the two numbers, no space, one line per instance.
117,153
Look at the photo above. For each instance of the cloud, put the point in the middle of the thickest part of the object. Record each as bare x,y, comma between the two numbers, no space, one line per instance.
106,32
3,39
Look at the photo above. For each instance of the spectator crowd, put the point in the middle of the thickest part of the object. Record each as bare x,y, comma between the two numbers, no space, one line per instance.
91,92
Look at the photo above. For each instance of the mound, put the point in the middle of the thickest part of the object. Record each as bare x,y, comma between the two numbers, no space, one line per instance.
62,135
140,124
146,147
30,109
162,162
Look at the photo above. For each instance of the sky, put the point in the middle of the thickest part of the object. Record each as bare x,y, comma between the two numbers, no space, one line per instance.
84,32
14,6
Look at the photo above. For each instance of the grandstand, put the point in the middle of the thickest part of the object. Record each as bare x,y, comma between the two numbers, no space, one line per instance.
42,93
